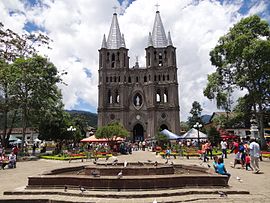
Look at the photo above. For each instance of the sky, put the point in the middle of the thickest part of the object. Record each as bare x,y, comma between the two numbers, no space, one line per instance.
76,29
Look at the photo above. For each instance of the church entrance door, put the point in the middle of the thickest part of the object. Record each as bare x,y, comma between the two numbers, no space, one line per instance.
138,133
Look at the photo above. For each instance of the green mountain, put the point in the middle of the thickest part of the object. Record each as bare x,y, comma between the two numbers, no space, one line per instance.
88,117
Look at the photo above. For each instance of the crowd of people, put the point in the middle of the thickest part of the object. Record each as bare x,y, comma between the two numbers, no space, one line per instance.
8,160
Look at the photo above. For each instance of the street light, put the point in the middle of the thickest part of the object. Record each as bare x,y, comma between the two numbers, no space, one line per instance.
71,129
253,127
198,126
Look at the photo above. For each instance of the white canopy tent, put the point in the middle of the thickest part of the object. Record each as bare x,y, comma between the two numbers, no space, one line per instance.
193,134
170,135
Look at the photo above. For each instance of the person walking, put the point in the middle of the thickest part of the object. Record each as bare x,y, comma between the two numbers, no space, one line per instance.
224,147
255,152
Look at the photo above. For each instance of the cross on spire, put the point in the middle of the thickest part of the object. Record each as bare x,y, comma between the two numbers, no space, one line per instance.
114,8
157,5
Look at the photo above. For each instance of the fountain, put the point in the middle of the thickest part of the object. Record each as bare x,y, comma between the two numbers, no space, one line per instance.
135,176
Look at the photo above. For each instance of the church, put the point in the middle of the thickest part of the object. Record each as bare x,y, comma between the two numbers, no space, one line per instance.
143,99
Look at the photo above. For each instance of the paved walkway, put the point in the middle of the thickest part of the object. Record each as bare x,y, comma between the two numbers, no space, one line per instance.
257,184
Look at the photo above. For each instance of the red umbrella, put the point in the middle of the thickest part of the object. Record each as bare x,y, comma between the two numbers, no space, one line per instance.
94,139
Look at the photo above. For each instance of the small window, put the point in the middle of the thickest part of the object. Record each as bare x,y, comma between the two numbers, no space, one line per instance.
165,96
158,99
129,79
145,79
137,79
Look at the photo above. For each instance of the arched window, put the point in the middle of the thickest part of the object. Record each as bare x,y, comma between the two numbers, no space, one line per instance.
158,96
113,57
114,78
124,59
160,62
145,79
165,96
108,56
118,78
163,77
107,79
168,77
117,97
137,79
113,60
148,59
155,78
111,79
110,100
159,77
129,79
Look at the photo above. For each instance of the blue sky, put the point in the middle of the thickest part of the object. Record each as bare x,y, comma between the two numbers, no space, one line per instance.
77,27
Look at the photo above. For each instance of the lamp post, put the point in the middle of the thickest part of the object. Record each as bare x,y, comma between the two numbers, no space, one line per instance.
71,129
254,127
198,126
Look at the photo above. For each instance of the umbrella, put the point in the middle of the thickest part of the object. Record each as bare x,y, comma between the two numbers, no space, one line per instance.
94,139
170,135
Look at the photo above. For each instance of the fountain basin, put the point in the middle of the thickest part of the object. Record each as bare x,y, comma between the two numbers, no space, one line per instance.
134,177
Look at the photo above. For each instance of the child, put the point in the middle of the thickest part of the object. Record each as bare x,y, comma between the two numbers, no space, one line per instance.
247,160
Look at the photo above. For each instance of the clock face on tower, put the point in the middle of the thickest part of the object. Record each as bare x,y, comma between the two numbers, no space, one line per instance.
138,117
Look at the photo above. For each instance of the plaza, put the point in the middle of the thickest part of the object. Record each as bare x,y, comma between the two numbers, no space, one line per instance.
14,181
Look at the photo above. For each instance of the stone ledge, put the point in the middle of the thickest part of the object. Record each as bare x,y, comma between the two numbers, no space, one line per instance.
130,194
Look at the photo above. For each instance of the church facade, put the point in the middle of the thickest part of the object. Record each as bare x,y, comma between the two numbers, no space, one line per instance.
144,99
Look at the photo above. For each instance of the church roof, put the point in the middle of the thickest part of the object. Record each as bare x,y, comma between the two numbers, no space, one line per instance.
158,34
115,39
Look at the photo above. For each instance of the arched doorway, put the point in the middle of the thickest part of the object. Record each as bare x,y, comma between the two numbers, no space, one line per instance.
138,133
163,126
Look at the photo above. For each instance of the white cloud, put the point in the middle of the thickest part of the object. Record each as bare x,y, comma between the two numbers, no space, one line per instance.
77,28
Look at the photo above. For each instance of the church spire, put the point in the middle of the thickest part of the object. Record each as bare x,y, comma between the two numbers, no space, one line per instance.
104,43
150,41
123,44
158,34
115,40
169,39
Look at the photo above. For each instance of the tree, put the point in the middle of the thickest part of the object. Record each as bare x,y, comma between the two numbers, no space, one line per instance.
196,114
33,87
242,61
13,46
112,131
162,140
54,125
213,136
184,126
